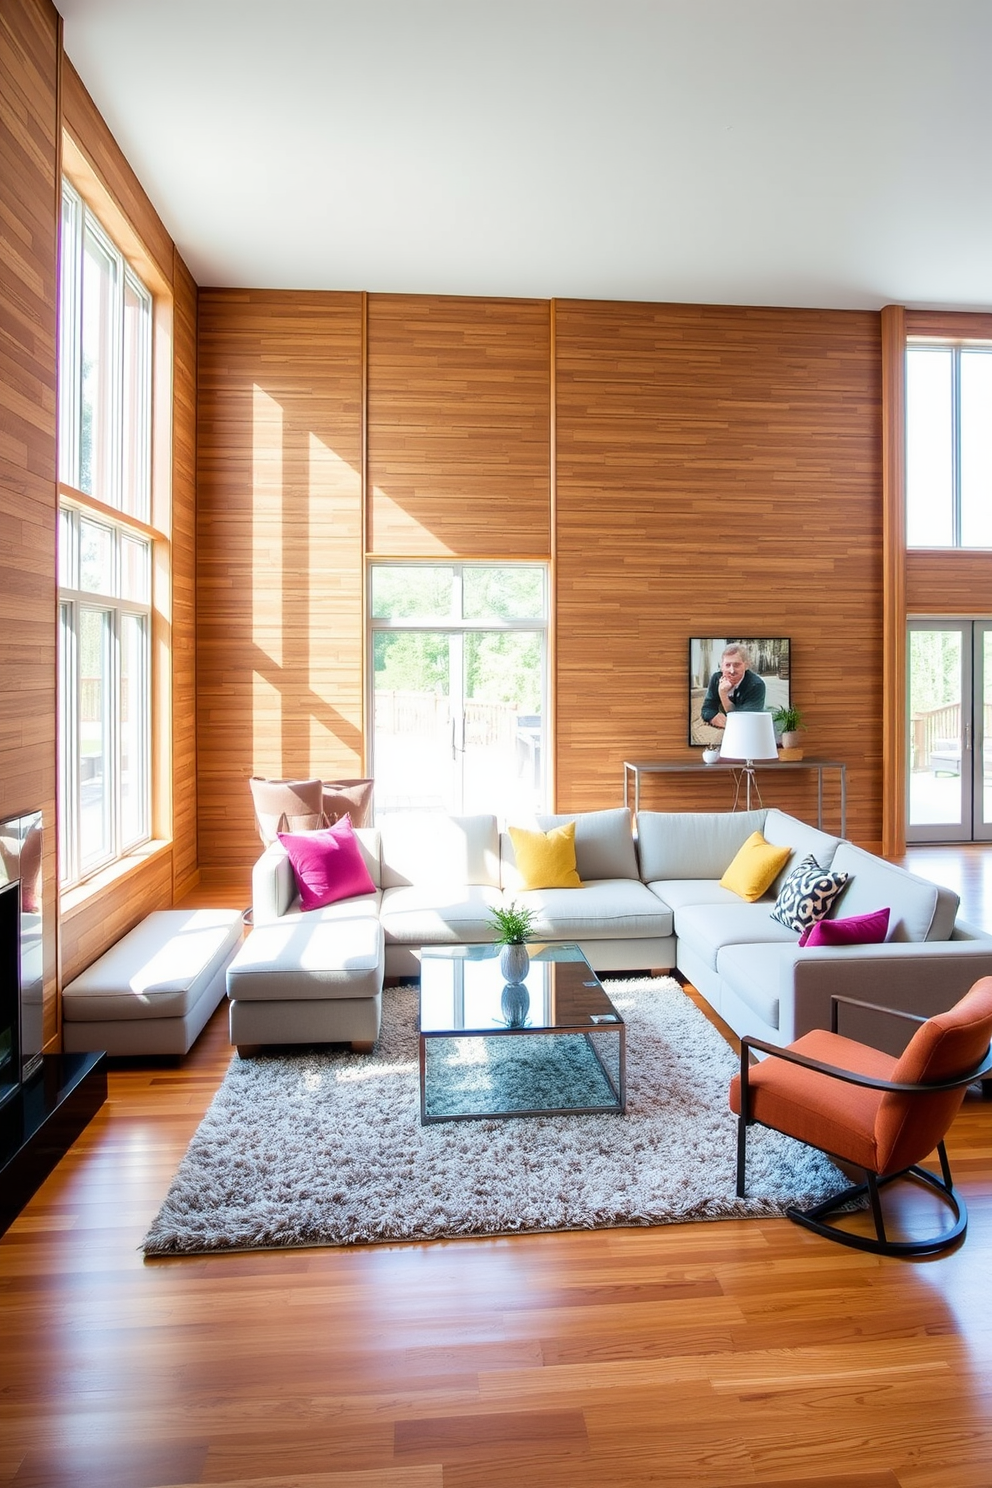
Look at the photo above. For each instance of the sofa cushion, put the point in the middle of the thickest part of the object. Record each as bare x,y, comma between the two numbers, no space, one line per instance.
327,864
754,867
604,842
920,910
613,909
305,960
807,895
546,860
677,892
805,841
286,806
160,969
866,929
426,847
430,914
348,798
692,844
707,928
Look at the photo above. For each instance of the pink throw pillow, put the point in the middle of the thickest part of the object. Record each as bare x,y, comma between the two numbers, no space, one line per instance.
865,929
327,864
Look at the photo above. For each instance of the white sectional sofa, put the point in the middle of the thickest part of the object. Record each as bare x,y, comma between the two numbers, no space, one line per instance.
652,900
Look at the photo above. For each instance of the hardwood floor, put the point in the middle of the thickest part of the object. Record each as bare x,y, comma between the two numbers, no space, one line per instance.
714,1355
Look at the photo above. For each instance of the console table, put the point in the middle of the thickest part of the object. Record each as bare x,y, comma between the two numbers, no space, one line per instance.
637,768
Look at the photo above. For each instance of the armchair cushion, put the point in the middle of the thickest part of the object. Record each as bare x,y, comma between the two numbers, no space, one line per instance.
826,1112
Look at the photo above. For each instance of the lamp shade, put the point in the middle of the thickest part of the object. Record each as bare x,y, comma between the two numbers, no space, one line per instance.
749,736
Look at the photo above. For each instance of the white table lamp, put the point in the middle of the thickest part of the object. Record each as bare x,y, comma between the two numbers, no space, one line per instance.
749,737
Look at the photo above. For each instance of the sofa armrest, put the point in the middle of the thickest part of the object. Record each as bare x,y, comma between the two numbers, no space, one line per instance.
914,977
273,886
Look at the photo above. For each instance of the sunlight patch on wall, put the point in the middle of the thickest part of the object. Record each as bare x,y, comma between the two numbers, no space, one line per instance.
396,533
266,727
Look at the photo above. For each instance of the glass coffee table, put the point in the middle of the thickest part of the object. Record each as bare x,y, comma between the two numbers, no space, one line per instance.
553,1044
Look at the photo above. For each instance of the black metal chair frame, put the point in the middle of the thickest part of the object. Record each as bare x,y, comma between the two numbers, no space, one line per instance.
942,1185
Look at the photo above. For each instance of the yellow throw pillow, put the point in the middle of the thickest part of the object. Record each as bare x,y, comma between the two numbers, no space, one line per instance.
546,860
754,867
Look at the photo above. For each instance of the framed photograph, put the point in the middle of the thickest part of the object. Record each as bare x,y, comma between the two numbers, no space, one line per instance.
727,672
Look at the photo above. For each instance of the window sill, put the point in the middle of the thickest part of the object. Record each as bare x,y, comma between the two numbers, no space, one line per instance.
81,895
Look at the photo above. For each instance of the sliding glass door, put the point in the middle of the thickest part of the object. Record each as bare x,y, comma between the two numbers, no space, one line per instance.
950,731
460,667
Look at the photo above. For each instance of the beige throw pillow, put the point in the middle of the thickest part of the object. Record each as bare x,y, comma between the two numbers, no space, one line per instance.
287,806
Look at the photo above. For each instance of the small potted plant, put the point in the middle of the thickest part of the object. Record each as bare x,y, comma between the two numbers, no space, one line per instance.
789,722
514,926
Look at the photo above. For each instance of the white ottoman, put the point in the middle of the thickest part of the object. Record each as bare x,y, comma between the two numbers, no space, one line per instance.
308,982
153,991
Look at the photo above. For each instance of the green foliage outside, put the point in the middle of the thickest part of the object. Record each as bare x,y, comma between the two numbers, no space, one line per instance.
935,669
500,666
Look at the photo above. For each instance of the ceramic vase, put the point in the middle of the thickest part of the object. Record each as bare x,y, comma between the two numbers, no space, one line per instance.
514,962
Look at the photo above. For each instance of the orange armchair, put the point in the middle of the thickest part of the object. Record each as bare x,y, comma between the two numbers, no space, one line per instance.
864,1107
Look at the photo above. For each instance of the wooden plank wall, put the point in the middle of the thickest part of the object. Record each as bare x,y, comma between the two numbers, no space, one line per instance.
29,50
459,408
718,469
949,582
718,472
87,126
279,533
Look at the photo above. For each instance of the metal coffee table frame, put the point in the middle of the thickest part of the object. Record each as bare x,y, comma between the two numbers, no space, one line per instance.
577,1004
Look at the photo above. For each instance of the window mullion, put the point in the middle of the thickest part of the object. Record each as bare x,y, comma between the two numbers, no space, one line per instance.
956,442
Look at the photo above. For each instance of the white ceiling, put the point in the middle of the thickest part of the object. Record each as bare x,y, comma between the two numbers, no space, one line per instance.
782,152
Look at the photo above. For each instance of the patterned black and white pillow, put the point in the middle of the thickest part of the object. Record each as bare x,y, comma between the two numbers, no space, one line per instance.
807,895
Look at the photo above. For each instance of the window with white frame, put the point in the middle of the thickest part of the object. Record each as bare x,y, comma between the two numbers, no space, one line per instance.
105,550
948,445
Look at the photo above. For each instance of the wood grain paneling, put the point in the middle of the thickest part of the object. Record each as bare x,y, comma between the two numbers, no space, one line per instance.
718,472
953,325
949,582
458,431
183,633
29,52
134,212
279,586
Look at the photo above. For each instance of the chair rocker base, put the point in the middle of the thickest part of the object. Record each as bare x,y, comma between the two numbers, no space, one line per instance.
878,1244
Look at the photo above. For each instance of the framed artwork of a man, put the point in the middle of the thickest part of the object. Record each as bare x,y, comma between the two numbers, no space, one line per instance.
730,672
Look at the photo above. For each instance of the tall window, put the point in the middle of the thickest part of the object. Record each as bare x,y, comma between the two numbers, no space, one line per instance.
105,558
948,446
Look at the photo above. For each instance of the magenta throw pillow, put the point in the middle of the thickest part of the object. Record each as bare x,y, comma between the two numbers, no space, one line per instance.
328,864
864,929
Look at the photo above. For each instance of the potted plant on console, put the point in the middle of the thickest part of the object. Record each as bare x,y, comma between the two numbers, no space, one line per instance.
513,926
789,721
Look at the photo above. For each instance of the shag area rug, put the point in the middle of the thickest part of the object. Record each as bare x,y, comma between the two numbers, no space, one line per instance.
326,1147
